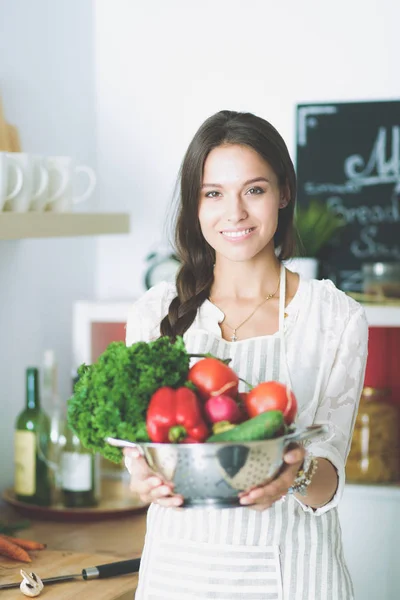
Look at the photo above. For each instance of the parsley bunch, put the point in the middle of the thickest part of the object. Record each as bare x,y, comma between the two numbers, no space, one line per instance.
112,395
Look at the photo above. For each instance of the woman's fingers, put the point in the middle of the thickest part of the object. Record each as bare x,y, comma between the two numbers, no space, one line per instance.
147,487
137,466
172,501
293,460
147,484
155,490
294,456
263,497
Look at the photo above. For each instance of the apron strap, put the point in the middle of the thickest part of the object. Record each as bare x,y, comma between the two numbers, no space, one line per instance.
284,370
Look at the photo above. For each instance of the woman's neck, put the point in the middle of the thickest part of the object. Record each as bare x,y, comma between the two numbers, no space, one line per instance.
245,279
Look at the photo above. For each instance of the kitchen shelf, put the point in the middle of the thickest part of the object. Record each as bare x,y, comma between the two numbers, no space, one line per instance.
17,226
383,316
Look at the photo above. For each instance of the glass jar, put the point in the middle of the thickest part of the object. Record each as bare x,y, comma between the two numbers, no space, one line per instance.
374,455
381,279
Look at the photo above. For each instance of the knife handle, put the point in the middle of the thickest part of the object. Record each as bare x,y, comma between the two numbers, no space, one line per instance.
112,569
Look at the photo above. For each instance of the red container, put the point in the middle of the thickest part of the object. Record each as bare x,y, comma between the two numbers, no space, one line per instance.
383,365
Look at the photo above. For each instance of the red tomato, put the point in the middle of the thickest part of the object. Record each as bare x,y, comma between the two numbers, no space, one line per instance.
272,395
211,377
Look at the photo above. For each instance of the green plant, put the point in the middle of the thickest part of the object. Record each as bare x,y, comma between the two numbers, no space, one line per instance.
316,225
112,395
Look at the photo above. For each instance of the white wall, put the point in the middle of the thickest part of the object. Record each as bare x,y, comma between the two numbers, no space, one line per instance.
47,87
162,67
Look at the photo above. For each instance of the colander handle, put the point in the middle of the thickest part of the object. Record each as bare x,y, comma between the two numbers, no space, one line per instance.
307,433
123,444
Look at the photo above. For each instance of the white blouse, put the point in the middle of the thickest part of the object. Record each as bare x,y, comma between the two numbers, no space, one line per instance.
326,335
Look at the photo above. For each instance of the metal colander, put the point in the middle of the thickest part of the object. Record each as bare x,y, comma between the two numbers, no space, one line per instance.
214,473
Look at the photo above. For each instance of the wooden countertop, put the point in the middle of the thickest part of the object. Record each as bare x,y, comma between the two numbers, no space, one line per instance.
72,547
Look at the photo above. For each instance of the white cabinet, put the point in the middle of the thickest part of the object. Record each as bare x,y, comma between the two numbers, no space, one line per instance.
370,520
383,316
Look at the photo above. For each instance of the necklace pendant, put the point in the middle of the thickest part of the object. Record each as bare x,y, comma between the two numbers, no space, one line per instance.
234,338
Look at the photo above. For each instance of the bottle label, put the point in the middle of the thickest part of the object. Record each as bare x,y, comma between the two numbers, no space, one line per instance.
76,472
25,463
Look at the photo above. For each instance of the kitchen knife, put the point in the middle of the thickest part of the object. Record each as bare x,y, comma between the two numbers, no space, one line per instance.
122,567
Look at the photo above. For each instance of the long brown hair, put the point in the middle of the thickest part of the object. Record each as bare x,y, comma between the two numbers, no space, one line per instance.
197,257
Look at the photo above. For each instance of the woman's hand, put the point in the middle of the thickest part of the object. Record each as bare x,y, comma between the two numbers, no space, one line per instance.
263,497
147,484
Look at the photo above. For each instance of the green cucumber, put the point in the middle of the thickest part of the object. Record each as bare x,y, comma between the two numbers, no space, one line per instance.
262,427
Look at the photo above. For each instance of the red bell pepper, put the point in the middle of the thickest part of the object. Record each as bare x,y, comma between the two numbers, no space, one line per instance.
175,416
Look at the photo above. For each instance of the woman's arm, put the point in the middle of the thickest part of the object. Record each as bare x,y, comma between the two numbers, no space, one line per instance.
338,408
323,485
143,326
320,491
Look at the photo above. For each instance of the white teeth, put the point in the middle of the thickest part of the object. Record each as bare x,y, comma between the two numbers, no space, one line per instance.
236,234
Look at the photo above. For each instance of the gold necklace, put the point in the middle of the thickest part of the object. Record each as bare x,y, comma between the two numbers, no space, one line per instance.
234,329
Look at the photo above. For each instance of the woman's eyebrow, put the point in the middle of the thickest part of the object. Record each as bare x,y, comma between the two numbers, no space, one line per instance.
218,185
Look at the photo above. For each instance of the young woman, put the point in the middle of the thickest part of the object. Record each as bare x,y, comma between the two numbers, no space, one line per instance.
234,298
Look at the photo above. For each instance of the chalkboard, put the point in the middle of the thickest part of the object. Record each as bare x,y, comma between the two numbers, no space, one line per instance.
348,155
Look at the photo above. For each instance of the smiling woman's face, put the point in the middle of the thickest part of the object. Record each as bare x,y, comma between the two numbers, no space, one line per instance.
239,203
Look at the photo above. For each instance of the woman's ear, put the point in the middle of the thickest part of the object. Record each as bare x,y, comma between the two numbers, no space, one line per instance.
285,196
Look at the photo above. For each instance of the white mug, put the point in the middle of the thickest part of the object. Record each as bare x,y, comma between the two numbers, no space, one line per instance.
11,179
35,181
40,183
62,174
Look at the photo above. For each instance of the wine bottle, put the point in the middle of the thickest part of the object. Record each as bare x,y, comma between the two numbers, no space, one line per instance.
32,482
56,413
79,473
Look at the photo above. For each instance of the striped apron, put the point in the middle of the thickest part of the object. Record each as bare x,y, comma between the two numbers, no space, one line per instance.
282,553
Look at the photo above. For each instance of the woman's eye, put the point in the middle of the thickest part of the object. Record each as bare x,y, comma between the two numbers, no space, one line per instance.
212,194
255,191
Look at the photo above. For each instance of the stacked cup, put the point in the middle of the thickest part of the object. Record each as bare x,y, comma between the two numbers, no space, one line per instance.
30,182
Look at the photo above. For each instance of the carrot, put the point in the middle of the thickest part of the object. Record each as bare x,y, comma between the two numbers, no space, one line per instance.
11,550
25,544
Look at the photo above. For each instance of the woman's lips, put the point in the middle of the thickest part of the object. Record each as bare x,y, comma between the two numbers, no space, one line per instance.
237,235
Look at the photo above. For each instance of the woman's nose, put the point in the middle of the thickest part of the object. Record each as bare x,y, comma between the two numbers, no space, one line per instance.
236,210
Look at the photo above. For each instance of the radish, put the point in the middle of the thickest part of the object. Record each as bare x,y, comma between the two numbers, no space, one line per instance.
222,408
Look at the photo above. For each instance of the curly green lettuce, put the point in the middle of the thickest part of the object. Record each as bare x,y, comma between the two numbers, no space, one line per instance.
111,396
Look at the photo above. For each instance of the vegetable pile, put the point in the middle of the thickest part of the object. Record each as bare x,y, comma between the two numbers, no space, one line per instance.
112,395
148,391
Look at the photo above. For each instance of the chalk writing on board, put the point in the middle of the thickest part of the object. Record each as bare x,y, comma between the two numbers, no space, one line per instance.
349,155
307,118
387,169
379,170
